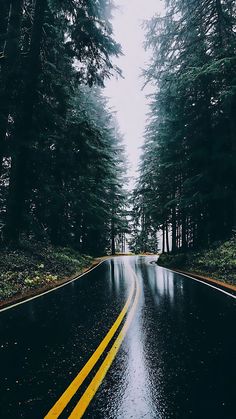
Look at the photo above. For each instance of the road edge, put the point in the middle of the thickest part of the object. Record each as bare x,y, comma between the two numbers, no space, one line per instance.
208,280
38,292
214,283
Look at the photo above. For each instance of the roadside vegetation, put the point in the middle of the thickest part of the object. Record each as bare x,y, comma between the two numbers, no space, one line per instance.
36,266
186,188
62,162
218,262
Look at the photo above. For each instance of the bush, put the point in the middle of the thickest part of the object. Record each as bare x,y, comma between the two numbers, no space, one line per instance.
35,265
219,261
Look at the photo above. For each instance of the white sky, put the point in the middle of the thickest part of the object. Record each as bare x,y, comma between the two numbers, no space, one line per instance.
126,95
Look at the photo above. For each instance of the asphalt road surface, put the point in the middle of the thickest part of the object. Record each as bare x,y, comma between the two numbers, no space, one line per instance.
127,340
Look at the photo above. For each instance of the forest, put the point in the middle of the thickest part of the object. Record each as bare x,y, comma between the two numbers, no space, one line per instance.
117,209
187,183
62,161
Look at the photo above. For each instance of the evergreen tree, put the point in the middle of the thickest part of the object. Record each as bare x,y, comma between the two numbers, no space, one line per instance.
61,168
191,134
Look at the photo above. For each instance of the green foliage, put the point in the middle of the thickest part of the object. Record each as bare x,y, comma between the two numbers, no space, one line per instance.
63,169
36,265
172,261
187,177
143,232
219,261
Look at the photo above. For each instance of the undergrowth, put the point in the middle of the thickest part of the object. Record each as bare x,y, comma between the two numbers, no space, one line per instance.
35,265
218,261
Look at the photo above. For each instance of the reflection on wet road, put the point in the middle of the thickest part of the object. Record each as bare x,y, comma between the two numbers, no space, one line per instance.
176,359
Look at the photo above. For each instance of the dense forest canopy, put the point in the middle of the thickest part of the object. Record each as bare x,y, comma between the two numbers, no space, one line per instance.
62,162
187,183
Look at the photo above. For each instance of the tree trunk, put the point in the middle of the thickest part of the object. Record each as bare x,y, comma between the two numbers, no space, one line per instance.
233,135
22,142
57,220
77,230
113,245
9,63
163,238
184,238
220,23
167,239
123,242
178,235
174,231
84,241
4,17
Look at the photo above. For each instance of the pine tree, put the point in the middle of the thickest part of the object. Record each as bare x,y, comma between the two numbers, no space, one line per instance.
64,163
85,34
191,127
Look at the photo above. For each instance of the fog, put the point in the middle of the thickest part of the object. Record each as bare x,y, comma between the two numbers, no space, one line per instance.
126,95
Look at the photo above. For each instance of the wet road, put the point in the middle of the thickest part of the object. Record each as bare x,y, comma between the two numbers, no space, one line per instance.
176,346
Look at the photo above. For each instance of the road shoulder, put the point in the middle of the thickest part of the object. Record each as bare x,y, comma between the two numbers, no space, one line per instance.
207,280
41,289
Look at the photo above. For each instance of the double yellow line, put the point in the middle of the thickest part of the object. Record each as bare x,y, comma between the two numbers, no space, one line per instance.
92,388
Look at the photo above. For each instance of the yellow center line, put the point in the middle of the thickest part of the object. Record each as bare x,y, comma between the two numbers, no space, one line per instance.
62,402
101,373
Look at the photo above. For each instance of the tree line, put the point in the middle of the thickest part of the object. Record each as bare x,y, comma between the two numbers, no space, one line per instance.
62,161
187,182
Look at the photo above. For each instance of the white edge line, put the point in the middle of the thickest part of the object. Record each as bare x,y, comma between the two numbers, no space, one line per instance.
53,289
201,282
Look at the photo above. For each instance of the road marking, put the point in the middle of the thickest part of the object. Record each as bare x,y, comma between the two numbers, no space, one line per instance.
53,289
201,282
62,402
217,282
101,373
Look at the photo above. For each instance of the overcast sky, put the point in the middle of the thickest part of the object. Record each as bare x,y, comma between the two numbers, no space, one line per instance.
126,95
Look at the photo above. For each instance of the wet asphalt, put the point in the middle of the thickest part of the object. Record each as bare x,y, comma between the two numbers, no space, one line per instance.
177,360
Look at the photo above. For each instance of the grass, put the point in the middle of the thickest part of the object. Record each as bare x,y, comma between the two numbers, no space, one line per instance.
35,266
219,261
